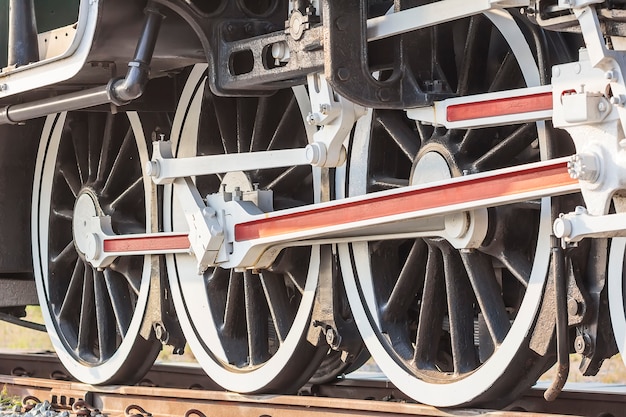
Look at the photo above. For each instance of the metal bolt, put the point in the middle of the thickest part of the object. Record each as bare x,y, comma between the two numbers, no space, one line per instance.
573,307
582,344
4,87
617,100
577,68
602,107
384,94
556,72
584,167
161,333
324,109
343,74
609,75
238,194
332,338
341,23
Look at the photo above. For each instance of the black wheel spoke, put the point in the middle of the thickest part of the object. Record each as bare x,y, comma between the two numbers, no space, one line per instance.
118,163
132,189
226,115
245,129
281,310
74,291
431,313
72,179
106,152
285,176
233,321
508,148
409,282
65,214
87,311
488,294
395,125
471,139
104,318
473,56
67,255
79,136
256,319
388,183
460,311
262,130
120,301
503,76
519,266
285,126
94,137
123,266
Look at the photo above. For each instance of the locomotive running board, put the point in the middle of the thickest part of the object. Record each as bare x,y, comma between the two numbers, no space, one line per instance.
250,238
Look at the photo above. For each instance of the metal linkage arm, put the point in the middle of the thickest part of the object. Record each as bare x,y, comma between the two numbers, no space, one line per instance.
164,168
235,233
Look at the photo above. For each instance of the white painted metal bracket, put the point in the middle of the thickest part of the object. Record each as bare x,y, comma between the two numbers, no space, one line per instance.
573,227
60,68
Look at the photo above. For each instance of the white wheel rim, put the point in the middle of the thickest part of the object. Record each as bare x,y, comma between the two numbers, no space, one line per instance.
187,285
473,385
42,187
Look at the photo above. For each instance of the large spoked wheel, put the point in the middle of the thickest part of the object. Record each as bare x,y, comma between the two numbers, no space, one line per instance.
93,316
247,330
617,293
451,325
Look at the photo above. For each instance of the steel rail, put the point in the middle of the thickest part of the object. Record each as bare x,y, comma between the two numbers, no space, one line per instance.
185,387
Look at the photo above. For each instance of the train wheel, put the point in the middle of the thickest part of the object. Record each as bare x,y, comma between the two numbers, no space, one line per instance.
247,330
451,325
94,317
617,293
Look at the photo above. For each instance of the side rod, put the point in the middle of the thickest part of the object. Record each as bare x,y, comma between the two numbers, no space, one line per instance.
251,233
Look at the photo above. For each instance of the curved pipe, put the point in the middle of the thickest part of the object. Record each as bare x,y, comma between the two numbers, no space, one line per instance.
119,91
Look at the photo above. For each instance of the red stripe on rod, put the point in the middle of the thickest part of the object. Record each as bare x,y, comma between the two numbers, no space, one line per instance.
500,107
510,183
147,243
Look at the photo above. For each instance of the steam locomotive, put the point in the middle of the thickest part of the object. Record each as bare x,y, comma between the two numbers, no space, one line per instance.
289,187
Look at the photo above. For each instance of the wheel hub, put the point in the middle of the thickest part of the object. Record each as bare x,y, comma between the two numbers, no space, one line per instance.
464,230
86,211
237,180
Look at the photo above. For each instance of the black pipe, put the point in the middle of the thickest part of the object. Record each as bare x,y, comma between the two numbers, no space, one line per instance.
131,87
562,342
23,45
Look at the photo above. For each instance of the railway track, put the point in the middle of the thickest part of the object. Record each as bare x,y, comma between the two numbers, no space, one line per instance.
184,390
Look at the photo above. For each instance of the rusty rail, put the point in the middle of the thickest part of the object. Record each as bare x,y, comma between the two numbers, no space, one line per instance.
194,397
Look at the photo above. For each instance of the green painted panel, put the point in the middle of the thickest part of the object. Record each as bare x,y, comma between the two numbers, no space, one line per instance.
4,32
50,14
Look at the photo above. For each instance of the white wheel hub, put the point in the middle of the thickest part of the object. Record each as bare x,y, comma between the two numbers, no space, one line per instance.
85,211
